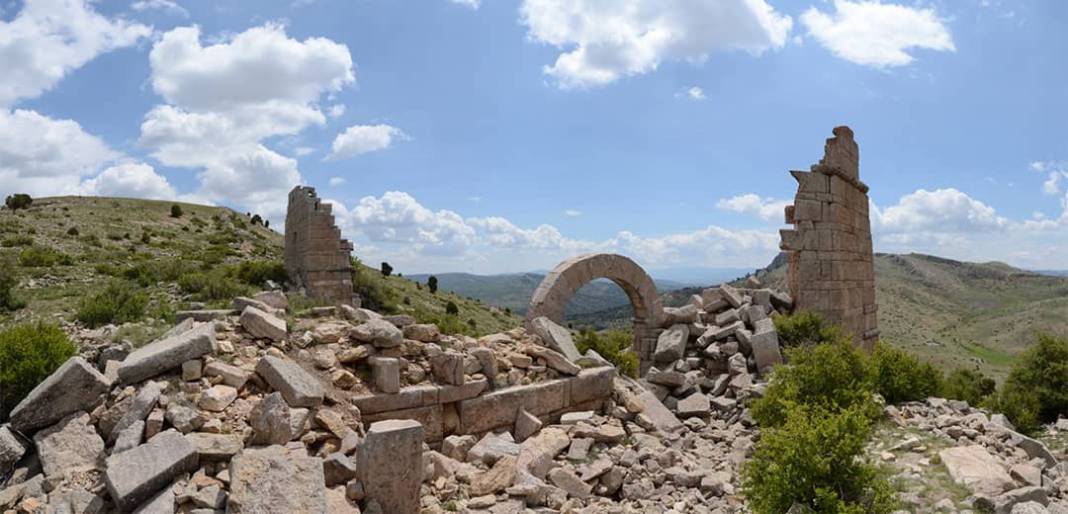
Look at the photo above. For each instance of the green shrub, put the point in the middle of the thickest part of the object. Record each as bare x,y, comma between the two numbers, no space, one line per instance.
1021,406
805,328
1042,372
452,309
900,377
176,211
17,240
374,294
432,284
28,354
257,273
73,231
614,346
451,325
9,279
811,459
119,302
832,376
18,201
387,270
42,256
216,285
968,385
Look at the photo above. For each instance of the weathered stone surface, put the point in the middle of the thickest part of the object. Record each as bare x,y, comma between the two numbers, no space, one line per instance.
499,477
241,302
500,408
554,360
385,372
143,403
274,422
592,384
492,447
261,324
568,481
11,449
696,404
136,475
216,447
526,425
974,468
486,360
232,376
129,437
298,387
448,367
317,258
203,315
378,332
671,345
423,332
273,479
273,299
70,445
391,465
75,386
167,354
184,418
161,503
556,337
658,415
764,344
1035,449
536,454
338,469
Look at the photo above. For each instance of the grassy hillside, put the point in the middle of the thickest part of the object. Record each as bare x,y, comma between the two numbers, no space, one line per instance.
962,314
67,249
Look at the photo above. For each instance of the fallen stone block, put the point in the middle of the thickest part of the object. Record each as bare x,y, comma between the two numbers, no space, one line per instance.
274,299
554,359
592,384
135,475
263,325
391,465
274,422
385,372
526,425
74,387
657,414
765,346
422,332
492,447
204,315
695,405
500,408
378,332
686,314
232,376
297,386
274,479
556,337
129,437
164,355
671,345
448,367
68,446
143,403
11,449
216,447
976,469
733,297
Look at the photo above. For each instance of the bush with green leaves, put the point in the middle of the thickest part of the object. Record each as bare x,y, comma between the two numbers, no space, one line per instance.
829,375
968,385
432,284
374,294
900,377
257,273
1036,390
805,328
119,302
9,279
613,345
387,270
216,285
17,240
811,459
29,352
176,211
43,257
18,201
452,309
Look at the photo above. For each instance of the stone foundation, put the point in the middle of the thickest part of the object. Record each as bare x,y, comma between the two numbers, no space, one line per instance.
831,268
317,258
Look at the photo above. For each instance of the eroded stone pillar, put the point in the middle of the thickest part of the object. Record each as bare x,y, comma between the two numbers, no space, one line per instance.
317,258
391,465
831,268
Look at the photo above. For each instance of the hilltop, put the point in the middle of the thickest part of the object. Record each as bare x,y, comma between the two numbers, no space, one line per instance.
69,248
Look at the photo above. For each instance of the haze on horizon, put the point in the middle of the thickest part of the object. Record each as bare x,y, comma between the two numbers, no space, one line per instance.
491,137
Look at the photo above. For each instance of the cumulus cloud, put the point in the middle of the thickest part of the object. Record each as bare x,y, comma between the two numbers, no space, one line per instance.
695,93
225,99
942,210
764,208
131,180
167,6
43,156
473,4
601,42
871,33
361,139
336,181
49,38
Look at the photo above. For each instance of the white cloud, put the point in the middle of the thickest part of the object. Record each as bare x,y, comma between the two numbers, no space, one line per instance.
337,181
360,139
225,99
397,217
301,151
871,33
1052,184
695,93
336,110
49,38
130,180
168,6
43,156
938,211
572,213
601,42
473,4
764,208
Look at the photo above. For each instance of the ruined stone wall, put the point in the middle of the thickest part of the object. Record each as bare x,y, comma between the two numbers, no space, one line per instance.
317,258
831,270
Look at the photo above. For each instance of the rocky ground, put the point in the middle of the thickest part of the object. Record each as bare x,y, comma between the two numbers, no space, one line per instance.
240,411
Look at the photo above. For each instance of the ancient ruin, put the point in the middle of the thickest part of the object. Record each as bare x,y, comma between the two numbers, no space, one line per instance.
831,268
317,258
557,288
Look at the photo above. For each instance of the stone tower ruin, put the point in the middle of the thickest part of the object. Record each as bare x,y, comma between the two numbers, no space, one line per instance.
831,270
317,258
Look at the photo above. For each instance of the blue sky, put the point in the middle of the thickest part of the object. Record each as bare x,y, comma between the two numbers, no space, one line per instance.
505,135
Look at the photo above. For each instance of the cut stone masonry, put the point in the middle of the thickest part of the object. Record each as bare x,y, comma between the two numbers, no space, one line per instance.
831,269
317,258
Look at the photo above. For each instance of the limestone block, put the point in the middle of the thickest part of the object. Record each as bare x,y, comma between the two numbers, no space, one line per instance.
136,475
671,344
378,332
592,384
448,367
216,447
166,354
556,337
74,387
298,387
432,417
232,376
70,445
500,408
974,468
263,325
391,465
385,372
11,449
274,422
273,479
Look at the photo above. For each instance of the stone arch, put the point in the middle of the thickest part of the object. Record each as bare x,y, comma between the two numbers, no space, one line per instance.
557,288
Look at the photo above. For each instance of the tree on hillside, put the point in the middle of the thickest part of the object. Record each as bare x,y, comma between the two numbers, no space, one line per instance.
176,211
18,201
387,270
257,220
452,309
432,284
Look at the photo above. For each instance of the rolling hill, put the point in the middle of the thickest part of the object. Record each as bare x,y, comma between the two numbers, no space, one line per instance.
65,249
